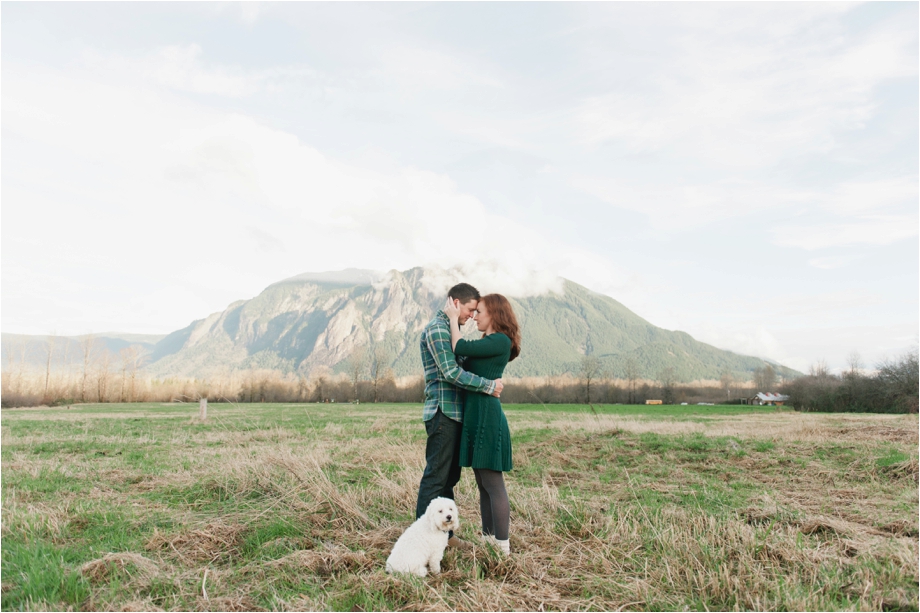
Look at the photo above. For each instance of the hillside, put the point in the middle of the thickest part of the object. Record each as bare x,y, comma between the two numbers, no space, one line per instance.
32,350
318,320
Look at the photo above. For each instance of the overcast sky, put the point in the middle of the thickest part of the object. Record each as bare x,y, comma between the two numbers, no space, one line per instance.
747,173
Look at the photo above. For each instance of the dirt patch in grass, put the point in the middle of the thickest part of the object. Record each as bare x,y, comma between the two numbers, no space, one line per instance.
909,469
328,560
142,570
228,603
139,605
213,542
901,528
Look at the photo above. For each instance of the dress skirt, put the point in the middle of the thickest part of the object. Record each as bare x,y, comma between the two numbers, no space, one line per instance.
486,440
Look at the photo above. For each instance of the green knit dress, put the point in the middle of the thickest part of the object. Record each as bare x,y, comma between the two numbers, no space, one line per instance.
486,439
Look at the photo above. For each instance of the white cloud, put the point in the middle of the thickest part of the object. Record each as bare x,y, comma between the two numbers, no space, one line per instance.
422,67
249,12
801,347
831,262
179,67
756,340
870,230
185,68
858,197
265,205
676,208
729,94
805,346
687,114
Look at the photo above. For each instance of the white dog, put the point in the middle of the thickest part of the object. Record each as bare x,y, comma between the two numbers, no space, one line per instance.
423,543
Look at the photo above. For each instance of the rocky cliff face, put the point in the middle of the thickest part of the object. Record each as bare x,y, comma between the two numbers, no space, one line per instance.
311,322
301,324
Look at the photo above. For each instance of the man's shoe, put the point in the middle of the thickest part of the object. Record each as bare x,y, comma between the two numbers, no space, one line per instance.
458,543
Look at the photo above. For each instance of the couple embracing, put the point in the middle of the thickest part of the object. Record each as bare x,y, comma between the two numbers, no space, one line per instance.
463,416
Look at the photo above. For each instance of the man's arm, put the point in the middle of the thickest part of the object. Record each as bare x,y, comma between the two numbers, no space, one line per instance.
439,346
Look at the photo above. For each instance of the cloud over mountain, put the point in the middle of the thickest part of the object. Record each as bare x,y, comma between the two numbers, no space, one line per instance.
314,322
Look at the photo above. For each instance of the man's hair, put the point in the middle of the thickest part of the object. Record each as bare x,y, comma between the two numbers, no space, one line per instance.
464,292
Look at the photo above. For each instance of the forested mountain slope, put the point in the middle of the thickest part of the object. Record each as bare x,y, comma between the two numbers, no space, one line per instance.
313,321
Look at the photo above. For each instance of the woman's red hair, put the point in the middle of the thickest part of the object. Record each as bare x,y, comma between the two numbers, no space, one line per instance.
504,321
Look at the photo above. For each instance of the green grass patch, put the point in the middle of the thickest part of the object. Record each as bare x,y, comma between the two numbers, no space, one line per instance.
296,507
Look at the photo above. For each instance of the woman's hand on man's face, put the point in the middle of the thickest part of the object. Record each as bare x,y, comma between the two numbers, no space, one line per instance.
452,309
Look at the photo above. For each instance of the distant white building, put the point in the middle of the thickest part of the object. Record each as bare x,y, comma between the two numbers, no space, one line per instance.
770,398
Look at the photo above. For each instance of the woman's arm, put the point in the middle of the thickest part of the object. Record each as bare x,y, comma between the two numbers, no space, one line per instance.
455,334
453,314
437,346
492,345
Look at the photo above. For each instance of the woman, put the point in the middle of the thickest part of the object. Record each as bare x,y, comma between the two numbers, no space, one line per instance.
485,442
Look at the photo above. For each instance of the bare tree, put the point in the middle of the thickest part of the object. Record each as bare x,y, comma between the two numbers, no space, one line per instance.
769,376
263,377
124,356
854,361
89,345
12,352
667,376
49,354
321,384
9,356
727,380
765,378
321,389
67,357
820,370
380,360
900,380
102,375
631,373
356,368
302,387
589,370
136,357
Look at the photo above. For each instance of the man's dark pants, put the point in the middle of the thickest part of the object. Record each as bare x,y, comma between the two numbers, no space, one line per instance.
442,456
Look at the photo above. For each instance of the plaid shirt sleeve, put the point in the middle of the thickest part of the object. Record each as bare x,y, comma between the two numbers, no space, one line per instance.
439,346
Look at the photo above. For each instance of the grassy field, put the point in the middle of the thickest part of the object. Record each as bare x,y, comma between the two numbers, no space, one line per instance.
143,507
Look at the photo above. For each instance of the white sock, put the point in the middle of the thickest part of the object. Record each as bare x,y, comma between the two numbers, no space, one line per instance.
504,546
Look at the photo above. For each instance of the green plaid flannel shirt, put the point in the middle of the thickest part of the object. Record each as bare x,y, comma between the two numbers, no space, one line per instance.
444,379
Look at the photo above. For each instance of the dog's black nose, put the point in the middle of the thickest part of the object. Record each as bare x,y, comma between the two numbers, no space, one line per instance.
448,518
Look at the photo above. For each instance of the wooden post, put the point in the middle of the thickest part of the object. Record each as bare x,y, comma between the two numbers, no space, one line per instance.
203,409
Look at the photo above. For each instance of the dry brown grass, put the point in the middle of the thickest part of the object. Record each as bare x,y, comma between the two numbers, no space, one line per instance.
302,515
142,569
785,425
209,543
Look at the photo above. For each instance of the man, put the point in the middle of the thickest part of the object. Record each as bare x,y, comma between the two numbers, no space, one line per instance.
443,412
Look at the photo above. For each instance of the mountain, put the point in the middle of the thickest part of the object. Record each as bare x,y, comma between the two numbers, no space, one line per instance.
318,320
32,350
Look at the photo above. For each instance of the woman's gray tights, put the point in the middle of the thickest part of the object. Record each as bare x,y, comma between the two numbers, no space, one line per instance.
493,503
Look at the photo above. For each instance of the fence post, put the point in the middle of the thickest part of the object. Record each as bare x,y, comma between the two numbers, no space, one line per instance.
203,409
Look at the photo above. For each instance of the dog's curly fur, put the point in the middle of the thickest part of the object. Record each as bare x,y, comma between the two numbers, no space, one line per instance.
421,546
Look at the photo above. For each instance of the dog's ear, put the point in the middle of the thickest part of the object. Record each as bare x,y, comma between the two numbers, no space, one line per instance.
433,517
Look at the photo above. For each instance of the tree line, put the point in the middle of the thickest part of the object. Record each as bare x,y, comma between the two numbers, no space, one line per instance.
891,388
96,374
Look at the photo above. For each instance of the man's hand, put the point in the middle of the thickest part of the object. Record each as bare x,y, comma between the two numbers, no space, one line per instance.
499,386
